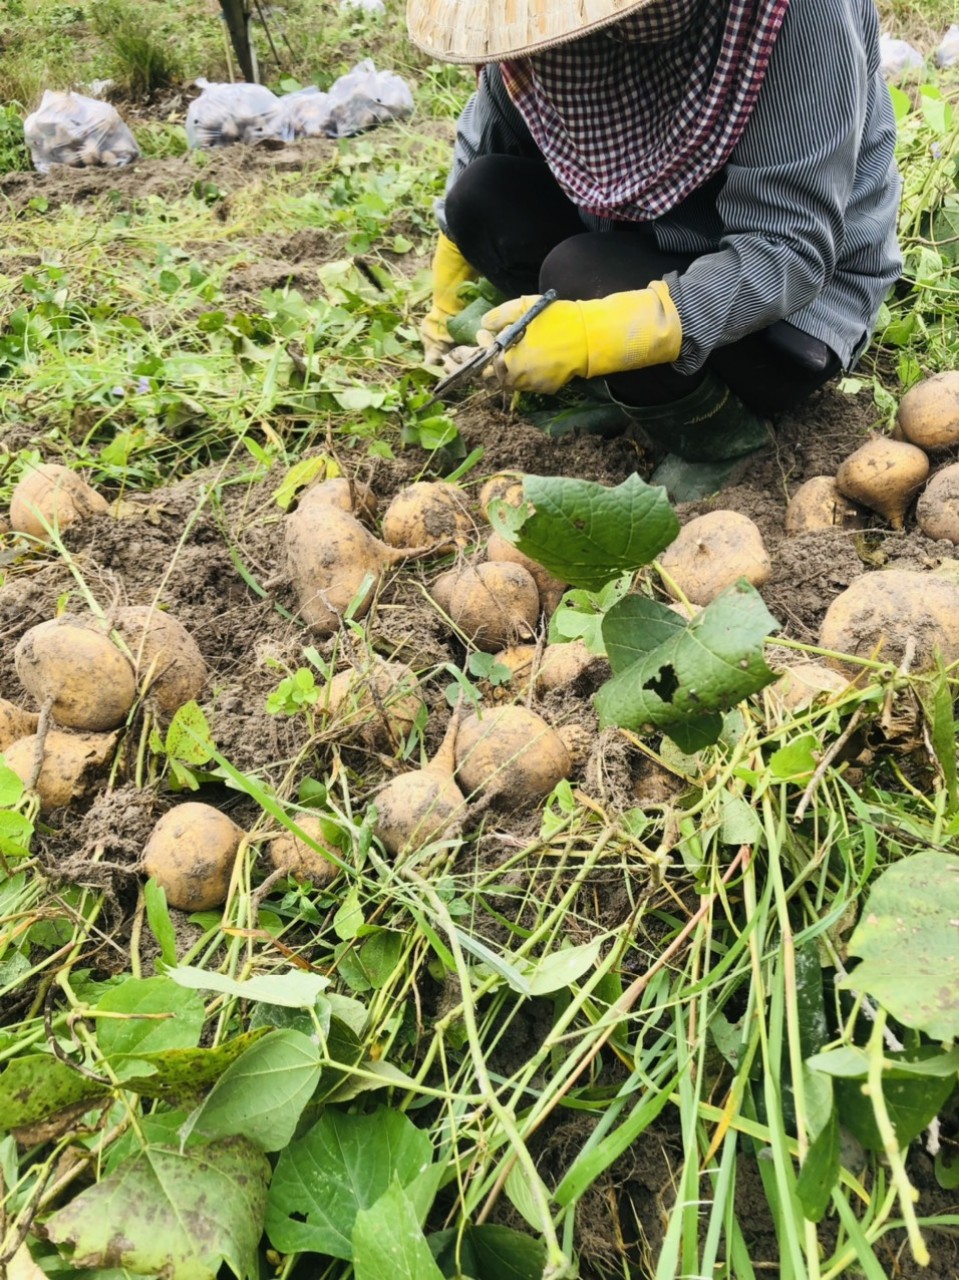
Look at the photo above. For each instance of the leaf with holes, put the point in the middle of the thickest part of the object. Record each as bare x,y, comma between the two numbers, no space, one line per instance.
680,677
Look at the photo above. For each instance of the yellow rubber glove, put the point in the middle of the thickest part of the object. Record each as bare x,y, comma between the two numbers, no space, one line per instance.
587,339
450,270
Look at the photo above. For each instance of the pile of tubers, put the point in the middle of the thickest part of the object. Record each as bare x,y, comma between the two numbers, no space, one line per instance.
885,475
86,674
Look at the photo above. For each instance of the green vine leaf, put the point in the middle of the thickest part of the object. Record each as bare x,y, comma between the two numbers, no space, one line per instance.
587,533
906,940
680,677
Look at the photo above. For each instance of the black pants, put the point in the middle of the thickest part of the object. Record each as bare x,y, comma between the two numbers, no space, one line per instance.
513,224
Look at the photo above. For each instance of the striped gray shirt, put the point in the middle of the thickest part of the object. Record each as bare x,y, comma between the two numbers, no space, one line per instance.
801,222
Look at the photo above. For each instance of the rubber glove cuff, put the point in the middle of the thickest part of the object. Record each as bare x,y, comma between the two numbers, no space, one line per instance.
450,272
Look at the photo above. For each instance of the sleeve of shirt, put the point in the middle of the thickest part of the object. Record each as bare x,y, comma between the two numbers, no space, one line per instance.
787,185
489,125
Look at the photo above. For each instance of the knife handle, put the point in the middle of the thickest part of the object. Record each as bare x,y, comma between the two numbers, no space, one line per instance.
507,337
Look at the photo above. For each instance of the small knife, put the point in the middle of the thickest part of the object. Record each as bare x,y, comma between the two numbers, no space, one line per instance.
504,339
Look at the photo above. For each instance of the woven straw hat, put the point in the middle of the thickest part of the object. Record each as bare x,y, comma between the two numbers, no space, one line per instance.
491,30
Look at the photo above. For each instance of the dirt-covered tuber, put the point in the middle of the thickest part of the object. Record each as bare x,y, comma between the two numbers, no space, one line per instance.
937,511
883,613
50,496
494,603
377,702
423,806
884,475
818,504
430,513
69,767
929,412
510,754
190,854
714,551
306,859
76,664
169,665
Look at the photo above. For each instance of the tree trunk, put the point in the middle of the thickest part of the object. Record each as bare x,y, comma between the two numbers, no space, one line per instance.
237,17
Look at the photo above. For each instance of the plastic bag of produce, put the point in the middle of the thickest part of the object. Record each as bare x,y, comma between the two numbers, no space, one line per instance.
898,56
947,55
308,112
227,113
365,97
68,128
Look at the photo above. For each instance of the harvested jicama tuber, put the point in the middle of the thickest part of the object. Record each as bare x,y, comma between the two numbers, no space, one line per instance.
493,603
424,805
15,723
802,683
880,613
430,513
305,859
332,559
818,504
554,667
76,664
169,665
506,487
550,588
929,412
714,551
511,754
352,496
884,475
937,511
190,854
379,701
68,768
50,496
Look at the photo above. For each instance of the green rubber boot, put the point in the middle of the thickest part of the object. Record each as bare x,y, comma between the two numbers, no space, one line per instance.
708,435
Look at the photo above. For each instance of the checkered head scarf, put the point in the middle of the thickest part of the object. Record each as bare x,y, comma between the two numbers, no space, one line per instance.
633,118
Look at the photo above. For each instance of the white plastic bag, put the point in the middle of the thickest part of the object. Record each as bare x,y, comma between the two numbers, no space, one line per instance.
308,112
947,55
68,128
227,113
365,97
897,56
368,6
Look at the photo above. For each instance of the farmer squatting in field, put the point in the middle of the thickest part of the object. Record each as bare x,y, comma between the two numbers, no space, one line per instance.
709,186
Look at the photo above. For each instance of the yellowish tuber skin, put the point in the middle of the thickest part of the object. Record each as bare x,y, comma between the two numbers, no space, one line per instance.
90,681
929,412
169,665
511,755
329,555
305,860
430,513
802,684
190,854
818,504
70,764
883,612
423,806
352,496
937,511
15,723
506,487
52,497
884,475
555,667
494,604
379,702
550,588
714,551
